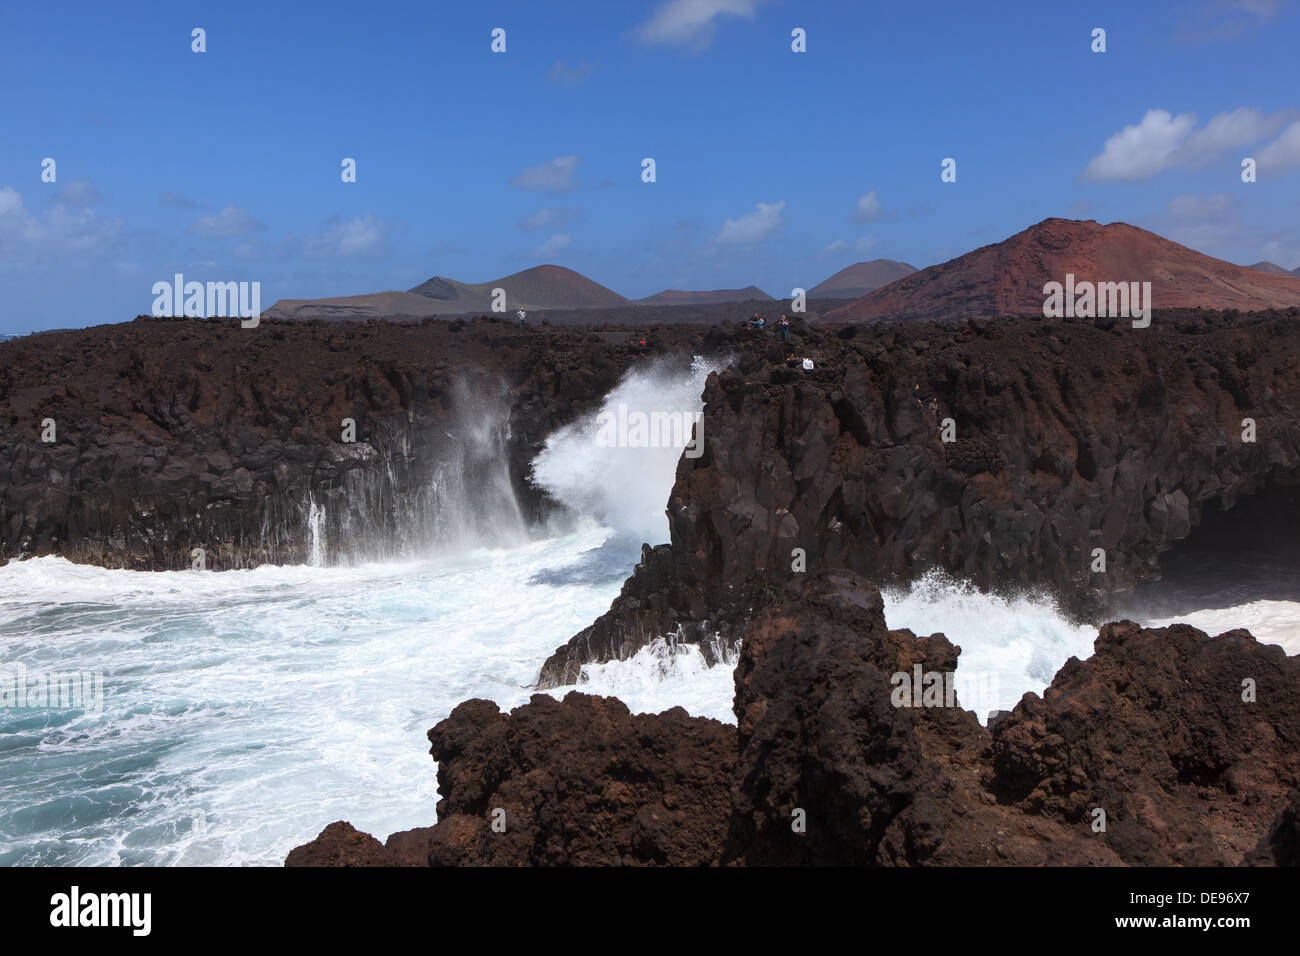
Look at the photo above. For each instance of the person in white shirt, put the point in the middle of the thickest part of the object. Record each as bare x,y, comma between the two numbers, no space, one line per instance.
522,315
807,363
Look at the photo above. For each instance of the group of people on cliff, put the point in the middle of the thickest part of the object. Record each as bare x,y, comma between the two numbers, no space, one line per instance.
758,323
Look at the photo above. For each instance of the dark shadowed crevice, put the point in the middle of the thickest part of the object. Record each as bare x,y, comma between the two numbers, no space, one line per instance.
1235,556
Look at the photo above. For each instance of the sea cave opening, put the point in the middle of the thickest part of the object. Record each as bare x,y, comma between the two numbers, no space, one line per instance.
1235,556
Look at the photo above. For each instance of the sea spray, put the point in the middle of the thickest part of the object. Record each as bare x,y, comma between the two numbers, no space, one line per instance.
625,483
1019,641
420,494
665,674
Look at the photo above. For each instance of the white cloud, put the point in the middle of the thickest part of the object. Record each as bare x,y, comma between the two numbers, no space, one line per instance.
1162,141
1142,151
765,221
361,237
834,246
60,228
553,176
1283,153
1226,130
868,208
550,218
692,23
227,224
557,242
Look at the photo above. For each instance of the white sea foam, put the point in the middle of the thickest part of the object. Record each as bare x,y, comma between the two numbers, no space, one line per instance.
1271,622
625,488
1011,645
661,675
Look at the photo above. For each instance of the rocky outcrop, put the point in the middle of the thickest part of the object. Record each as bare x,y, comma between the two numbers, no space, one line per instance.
168,435
837,767
1080,451
1187,743
579,782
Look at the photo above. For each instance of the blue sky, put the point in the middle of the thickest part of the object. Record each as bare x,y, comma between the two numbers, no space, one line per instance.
773,167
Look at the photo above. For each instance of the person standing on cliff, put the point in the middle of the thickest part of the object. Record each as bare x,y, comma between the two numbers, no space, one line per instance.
522,316
784,328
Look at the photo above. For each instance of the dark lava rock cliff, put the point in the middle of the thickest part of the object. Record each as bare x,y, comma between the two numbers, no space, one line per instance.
1072,442
175,434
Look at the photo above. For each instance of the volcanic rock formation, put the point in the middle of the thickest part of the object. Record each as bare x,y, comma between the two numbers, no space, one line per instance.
1069,436
175,434
1007,278
1147,753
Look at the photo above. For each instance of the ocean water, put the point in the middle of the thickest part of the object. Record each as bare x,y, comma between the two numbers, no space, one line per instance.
244,710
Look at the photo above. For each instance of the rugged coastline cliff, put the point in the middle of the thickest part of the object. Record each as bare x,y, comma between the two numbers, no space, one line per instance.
1012,453
1065,456
131,445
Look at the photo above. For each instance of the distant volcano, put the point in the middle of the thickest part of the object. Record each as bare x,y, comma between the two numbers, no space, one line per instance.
1007,278
860,279
541,287
750,293
1274,268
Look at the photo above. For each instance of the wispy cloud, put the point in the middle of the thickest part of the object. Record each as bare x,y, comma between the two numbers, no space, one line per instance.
868,208
248,250
562,74
550,218
860,246
553,176
692,24
177,199
361,237
1209,223
78,192
62,227
765,221
557,242
1283,153
230,223
1219,20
